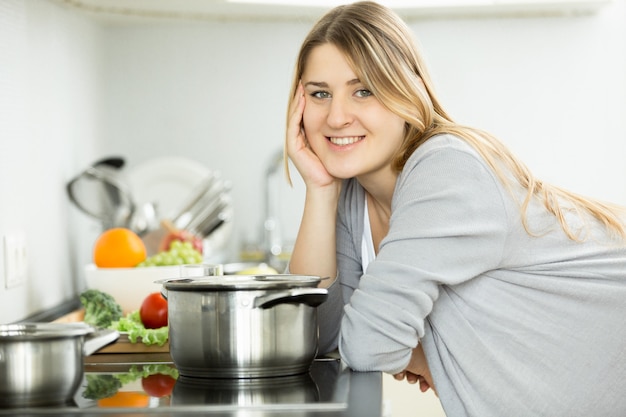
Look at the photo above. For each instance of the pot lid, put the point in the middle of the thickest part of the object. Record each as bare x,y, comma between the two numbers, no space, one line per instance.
240,282
31,331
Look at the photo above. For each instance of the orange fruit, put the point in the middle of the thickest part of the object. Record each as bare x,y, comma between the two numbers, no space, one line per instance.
118,248
125,399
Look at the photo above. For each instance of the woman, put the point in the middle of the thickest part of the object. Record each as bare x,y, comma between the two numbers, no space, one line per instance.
454,266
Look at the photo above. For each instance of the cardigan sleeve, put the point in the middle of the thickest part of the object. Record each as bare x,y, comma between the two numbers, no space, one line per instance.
448,225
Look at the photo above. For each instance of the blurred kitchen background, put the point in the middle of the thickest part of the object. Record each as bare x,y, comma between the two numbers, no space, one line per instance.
182,81
181,90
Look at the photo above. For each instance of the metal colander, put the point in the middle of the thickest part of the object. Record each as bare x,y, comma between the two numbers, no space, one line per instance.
99,192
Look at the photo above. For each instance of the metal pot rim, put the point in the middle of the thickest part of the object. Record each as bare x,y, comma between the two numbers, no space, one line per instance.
34,331
240,282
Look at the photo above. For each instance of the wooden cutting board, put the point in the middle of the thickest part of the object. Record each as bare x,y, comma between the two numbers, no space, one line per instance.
122,345
73,317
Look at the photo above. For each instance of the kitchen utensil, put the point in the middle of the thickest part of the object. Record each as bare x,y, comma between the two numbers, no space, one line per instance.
189,197
166,182
215,225
100,192
216,214
42,363
209,207
194,201
144,219
243,326
206,213
112,161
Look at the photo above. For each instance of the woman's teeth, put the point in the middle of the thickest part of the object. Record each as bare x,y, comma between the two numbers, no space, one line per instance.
346,140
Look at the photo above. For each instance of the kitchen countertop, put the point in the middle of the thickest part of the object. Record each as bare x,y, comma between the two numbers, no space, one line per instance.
337,390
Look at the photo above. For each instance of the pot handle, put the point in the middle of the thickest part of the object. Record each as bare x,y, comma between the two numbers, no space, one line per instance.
99,339
310,296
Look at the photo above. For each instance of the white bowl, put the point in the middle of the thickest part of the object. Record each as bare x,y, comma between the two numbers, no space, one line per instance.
129,286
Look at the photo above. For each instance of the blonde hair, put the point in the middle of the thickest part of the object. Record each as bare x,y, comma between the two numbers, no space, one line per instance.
381,50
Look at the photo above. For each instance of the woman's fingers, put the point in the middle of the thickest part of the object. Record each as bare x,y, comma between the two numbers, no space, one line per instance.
412,378
399,376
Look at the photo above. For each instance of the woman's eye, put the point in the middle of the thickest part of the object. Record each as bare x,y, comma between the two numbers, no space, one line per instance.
321,94
363,93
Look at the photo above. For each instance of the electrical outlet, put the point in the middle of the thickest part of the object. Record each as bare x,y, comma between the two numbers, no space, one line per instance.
15,260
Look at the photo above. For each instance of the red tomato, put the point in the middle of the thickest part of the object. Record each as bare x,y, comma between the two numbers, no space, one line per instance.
153,311
158,385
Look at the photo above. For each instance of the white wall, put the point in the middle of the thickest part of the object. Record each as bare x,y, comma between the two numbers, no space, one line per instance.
49,126
551,88
73,91
214,92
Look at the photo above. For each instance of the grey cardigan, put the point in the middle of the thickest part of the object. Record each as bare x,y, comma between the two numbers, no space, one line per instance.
512,324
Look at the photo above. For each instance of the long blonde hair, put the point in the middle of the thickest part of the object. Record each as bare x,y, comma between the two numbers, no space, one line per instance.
384,56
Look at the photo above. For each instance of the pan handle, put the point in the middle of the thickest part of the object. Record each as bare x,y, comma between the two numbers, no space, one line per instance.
310,296
99,339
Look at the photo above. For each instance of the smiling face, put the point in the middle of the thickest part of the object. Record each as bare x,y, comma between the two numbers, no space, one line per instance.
351,132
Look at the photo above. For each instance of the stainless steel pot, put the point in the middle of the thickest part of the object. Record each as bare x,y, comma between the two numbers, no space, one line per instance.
243,326
41,364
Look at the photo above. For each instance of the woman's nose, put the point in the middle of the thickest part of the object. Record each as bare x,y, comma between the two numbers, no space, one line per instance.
339,113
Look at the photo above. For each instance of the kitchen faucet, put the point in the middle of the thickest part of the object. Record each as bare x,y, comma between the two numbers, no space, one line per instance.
272,236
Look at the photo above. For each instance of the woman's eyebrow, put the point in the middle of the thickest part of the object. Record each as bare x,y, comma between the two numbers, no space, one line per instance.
321,84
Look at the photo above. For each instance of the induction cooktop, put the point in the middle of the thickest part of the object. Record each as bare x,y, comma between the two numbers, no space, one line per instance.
157,388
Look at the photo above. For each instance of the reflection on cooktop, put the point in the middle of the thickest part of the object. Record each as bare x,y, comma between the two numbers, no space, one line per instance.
158,388
322,385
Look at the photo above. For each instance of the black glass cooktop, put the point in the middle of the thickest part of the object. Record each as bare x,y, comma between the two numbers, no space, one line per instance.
157,388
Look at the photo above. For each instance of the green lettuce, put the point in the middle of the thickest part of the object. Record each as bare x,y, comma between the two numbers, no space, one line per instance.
132,325
135,372
101,386
104,385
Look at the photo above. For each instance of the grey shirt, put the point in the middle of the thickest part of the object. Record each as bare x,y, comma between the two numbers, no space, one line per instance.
512,323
